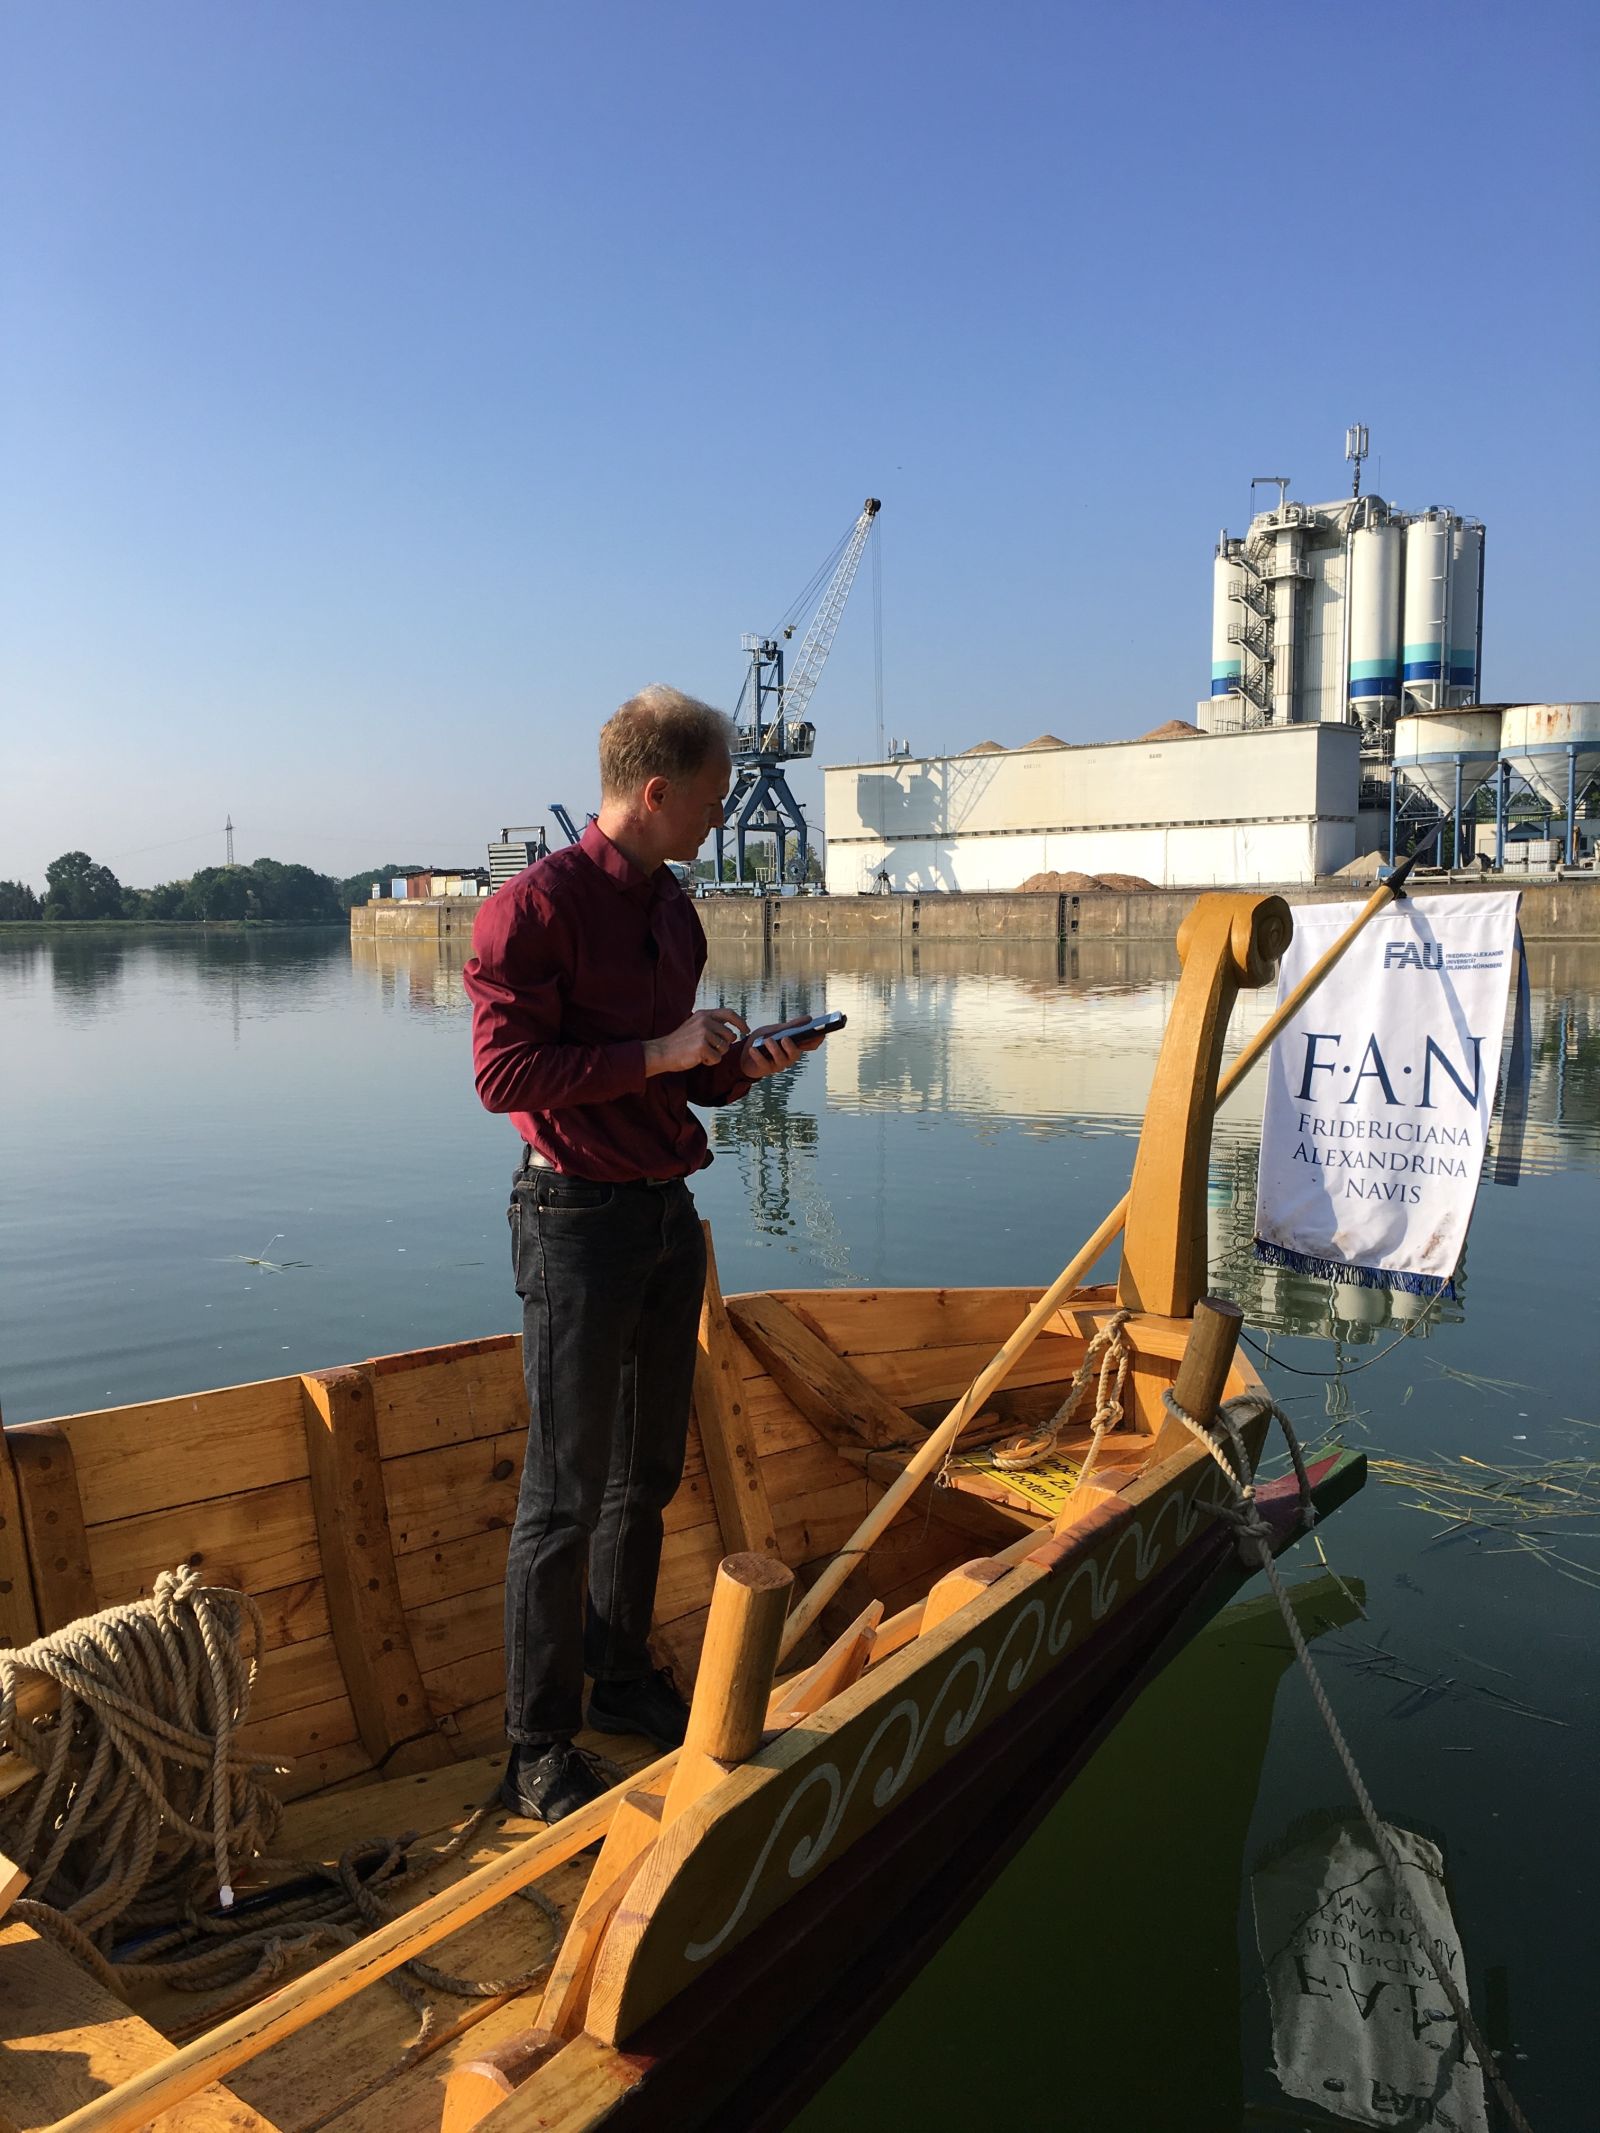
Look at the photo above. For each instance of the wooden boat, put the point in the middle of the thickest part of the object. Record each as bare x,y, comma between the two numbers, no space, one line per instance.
758,1895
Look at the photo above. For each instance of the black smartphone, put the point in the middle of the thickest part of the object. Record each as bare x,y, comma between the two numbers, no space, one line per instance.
807,1026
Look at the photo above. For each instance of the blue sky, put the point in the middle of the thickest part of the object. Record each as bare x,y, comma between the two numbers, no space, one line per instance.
387,390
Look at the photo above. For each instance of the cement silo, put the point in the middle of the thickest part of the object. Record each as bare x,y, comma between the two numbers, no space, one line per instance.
1447,755
1374,621
1426,630
1227,612
1466,609
1556,748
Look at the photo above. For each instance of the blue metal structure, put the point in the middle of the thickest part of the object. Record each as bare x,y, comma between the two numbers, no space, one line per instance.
770,722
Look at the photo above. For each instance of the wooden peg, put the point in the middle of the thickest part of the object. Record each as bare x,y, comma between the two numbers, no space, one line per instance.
1203,1372
739,1657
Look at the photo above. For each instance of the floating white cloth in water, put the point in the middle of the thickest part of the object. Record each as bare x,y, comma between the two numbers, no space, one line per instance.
1379,1092
1359,2024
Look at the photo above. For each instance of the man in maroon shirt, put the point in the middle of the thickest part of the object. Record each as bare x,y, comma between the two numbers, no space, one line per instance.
585,1031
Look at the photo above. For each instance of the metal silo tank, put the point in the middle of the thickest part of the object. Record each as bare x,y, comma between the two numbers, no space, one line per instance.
1552,744
1375,615
1428,744
1227,656
1466,581
1424,645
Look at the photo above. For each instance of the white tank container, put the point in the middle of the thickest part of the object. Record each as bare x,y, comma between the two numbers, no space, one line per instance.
1375,615
1535,739
1466,576
1425,636
1227,657
1427,744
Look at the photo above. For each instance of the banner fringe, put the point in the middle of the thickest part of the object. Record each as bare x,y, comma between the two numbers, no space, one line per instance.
1362,1277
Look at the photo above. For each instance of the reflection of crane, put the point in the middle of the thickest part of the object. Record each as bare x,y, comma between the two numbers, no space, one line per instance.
772,726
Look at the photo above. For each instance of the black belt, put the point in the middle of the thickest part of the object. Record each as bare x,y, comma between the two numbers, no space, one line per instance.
535,1163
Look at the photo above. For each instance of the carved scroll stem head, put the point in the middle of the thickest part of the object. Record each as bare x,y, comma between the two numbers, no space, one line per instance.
1260,928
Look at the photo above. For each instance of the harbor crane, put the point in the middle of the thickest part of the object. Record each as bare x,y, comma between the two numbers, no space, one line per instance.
771,727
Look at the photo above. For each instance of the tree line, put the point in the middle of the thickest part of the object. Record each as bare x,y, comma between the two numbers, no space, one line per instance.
267,891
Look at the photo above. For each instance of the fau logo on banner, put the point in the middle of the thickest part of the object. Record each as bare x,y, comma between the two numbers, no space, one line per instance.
1380,1091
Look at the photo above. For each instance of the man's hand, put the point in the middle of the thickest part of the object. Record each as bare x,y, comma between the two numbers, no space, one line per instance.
709,1035
760,1060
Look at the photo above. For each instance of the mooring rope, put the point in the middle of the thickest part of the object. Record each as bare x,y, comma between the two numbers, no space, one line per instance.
1110,1344
143,1806
1255,1546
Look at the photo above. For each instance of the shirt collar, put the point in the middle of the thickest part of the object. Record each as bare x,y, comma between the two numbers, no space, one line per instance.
617,867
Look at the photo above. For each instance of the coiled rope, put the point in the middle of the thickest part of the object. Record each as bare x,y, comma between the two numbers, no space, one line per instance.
143,1798
144,1805
1226,1445
1110,1345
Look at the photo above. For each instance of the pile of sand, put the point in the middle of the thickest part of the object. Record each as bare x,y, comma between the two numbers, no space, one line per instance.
1045,740
984,748
1367,868
1175,729
1058,884
1072,884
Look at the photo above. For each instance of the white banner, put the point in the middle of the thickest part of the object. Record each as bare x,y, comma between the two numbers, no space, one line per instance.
1380,1091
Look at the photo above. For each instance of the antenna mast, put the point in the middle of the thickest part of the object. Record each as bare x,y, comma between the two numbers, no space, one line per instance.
230,840
1355,450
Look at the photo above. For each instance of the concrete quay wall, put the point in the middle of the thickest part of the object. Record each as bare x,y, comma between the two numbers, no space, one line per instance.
419,918
1551,911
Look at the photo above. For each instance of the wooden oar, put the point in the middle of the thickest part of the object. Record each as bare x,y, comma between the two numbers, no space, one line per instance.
931,1455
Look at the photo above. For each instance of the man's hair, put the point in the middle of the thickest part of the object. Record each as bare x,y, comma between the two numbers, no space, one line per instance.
660,733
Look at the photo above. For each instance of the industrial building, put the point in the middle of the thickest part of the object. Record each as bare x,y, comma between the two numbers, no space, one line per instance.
1481,765
1275,805
1351,613
1342,719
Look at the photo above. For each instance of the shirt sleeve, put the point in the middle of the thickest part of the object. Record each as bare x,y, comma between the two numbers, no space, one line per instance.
515,981
713,1086
719,1084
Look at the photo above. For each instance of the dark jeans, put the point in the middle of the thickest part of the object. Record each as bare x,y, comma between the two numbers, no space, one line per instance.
611,1278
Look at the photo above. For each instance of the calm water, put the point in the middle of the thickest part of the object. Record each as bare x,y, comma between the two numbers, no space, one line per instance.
224,1158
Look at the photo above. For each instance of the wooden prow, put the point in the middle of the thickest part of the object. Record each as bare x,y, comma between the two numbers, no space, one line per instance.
1227,943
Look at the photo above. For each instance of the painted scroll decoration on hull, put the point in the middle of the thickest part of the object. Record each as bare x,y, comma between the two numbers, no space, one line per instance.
1380,1092
893,1751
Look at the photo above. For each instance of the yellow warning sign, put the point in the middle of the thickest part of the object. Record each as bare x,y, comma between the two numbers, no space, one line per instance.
1047,1485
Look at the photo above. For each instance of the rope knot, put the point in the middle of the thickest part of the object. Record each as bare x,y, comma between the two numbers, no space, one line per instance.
1110,1343
172,1589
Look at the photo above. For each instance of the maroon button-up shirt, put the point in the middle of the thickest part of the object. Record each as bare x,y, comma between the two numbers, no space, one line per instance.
575,964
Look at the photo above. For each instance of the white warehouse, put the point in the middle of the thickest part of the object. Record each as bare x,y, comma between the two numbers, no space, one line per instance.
1277,804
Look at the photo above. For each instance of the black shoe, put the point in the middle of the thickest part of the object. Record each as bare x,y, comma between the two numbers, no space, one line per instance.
549,1781
649,1706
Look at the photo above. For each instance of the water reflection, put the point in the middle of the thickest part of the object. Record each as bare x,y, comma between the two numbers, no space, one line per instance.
420,977
1360,2025
1120,1916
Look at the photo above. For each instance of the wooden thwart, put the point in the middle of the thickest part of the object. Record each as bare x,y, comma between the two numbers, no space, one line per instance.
64,2039
835,1398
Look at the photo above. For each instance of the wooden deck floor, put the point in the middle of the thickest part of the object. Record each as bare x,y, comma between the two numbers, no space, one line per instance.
349,2071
